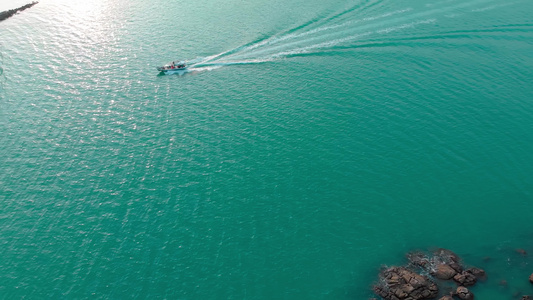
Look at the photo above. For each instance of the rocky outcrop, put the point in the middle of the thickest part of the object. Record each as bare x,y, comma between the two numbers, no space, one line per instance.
397,283
441,274
8,13
442,263
427,274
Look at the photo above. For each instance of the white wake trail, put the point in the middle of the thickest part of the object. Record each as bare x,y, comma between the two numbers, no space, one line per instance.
320,29
352,38
252,52
327,37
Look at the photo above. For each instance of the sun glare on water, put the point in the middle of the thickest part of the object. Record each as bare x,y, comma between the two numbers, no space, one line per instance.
82,9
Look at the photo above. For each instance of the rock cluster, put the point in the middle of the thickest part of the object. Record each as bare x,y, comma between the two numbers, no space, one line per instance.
421,277
401,283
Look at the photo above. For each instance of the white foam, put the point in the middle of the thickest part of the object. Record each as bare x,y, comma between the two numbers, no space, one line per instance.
319,29
352,38
325,37
404,26
491,7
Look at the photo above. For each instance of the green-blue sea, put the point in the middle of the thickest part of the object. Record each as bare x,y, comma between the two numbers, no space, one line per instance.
308,144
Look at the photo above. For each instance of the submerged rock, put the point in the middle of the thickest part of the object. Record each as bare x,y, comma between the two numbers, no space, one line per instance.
397,283
503,283
464,294
531,278
521,251
418,259
479,273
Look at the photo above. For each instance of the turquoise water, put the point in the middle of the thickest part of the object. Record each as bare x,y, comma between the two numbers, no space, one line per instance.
309,143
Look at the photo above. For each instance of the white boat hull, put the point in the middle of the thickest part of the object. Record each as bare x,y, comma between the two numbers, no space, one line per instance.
173,67
172,71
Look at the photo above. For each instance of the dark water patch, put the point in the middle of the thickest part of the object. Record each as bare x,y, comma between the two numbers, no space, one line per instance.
426,42
9,13
302,26
515,25
472,36
458,34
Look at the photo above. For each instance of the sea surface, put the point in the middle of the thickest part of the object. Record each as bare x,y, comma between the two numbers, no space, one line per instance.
308,144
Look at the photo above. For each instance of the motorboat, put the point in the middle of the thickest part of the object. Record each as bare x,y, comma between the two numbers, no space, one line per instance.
173,67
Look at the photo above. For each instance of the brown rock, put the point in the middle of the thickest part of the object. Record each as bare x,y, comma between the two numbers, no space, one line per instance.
446,298
525,297
464,294
444,272
479,273
398,283
465,278
448,257
531,278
